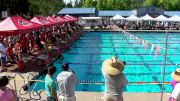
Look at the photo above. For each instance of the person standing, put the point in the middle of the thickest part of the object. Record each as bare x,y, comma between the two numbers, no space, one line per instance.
175,95
66,84
2,54
50,88
6,94
115,80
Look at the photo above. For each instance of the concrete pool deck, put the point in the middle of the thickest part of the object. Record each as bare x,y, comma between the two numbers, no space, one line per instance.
97,96
86,96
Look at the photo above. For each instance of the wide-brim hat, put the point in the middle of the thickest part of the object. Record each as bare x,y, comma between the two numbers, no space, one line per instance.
112,66
176,75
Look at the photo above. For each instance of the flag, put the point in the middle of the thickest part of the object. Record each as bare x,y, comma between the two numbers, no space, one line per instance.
157,51
139,41
152,47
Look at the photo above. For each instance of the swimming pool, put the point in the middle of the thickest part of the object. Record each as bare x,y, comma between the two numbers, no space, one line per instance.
87,54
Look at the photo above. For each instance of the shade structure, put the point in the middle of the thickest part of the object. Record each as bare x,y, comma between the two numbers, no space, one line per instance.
42,21
91,18
133,18
17,25
61,20
117,17
50,18
73,18
174,18
147,18
70,18
161,18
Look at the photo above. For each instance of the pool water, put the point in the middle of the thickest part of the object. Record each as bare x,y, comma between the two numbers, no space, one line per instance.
87,54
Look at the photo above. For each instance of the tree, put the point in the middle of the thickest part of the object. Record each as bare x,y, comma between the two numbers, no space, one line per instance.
100,5
88,3
69,4
45,7
110,5
175,4
165,4
150,2
78,3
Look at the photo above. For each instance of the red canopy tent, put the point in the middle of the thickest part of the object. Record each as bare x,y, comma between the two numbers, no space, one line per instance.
74,18
17,25
71,18
56,20
52,19
61,19
42,21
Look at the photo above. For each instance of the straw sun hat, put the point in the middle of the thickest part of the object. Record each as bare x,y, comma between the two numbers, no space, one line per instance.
112,66
176,75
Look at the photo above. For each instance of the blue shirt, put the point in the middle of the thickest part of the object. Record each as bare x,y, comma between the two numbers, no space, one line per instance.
48,84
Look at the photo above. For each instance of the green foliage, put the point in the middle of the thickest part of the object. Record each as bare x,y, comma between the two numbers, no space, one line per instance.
88,3
45,7
49,7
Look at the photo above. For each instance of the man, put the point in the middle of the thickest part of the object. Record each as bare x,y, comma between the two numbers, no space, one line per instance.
175,95
115,80
50,88
66,84
2,54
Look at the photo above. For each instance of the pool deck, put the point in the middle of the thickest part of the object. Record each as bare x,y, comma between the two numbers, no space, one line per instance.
97,96
89,96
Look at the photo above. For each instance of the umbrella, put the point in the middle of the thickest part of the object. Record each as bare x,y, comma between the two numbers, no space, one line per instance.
147,18
117,17
161,18
133,18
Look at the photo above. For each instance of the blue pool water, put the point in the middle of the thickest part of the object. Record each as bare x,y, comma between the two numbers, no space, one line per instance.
87,54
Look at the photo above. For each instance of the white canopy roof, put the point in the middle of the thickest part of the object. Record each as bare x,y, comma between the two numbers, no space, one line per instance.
147,18
161,18
91,18
133,18
174,18
117,17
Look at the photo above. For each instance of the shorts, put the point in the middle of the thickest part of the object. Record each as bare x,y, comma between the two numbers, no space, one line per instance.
51,99
3,60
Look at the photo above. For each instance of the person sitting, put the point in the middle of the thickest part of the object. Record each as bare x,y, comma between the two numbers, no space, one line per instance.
38,42
66,84
175,95
6,94
9,52
115,80
50,88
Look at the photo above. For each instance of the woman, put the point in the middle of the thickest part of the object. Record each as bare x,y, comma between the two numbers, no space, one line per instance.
50,85
6,94
175,95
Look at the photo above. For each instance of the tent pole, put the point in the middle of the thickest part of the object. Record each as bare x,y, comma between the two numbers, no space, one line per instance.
164,69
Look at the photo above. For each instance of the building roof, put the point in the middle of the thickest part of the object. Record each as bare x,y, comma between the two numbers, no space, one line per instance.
77,11
111,13
172,13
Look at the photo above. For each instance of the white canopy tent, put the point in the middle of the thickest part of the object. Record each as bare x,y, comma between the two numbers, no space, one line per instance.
161,18
91,18
117,17
133,18
147,18
174,18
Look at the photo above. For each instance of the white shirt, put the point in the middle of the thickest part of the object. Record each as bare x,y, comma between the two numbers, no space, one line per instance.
2,49
176,92
66,83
